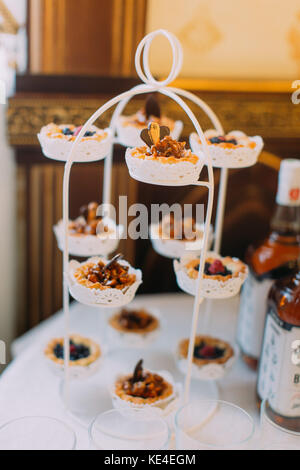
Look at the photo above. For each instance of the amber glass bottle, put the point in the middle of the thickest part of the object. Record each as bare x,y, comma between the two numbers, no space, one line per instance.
273,259
279,368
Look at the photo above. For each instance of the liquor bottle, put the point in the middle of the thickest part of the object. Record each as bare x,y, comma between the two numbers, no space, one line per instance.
279,368
273,259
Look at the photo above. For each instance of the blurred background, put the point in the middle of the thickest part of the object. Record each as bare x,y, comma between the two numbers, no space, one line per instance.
62,59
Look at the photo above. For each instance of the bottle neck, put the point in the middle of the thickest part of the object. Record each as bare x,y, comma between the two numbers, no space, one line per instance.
286,221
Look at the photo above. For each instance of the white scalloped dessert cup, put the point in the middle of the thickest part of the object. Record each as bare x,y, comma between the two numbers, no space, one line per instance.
86,151
109,297
208,371
211,288
75,371
163,408
129,136
164,174
90,245
128,339
240,157
171,248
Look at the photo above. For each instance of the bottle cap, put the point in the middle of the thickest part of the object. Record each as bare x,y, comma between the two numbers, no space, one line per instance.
288,193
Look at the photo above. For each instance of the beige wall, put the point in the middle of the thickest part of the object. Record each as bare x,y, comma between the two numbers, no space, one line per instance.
230,38
8,286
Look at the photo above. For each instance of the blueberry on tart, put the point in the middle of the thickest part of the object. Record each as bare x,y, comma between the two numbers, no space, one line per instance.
207,350
217,268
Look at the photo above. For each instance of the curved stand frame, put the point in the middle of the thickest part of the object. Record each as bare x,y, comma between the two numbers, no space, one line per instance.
150,85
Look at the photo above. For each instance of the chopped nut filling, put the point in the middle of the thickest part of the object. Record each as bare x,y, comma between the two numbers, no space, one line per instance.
168,147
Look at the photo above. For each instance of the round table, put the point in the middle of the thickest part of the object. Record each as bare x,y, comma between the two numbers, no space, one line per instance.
28,387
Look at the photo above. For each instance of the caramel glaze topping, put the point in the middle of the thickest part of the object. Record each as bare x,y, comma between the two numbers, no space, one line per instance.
115,275
177,229
168,147
90,223
144,384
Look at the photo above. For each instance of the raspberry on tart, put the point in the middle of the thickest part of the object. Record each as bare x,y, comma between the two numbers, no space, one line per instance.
83,351
142,387
234,139
166,151
134,321
207,350
232,150
113,275
184,229
151,112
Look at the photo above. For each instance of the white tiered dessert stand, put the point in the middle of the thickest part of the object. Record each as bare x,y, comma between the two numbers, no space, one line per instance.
149,85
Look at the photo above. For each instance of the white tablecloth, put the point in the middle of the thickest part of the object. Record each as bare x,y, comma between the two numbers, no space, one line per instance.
27,387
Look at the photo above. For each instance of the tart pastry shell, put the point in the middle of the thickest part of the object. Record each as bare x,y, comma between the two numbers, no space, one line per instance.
239,156
139,338
89,150
79,369
163,406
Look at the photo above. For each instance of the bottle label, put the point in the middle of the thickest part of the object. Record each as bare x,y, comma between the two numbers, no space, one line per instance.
279,371
252,315
288,192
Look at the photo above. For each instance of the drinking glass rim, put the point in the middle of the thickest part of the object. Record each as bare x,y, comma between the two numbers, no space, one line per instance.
51,418
222,402
112,410
263,414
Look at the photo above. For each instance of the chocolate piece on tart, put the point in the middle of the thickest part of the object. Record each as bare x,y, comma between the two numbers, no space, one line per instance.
152,107
83,351
179,229
222,139
142,386
103,276
207,350
134,321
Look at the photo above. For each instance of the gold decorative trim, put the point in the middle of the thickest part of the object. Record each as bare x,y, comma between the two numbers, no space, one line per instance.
10,24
